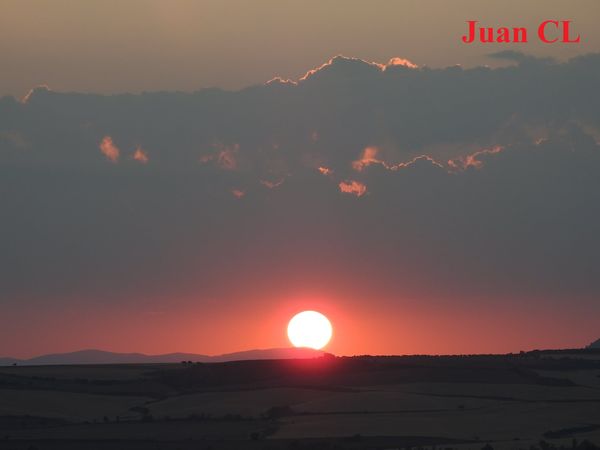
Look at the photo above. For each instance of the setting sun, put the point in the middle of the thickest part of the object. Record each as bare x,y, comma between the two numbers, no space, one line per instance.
309,329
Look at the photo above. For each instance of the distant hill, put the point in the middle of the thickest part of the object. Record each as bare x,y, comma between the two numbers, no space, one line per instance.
595,344
103,357
8,361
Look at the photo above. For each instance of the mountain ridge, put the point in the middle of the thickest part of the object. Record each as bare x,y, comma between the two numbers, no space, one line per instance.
95,356
595,344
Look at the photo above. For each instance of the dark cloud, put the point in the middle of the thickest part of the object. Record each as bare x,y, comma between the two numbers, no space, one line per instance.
387,178
520,57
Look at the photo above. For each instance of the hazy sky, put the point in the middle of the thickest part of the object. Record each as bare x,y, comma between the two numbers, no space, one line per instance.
203,222
427,209
109,46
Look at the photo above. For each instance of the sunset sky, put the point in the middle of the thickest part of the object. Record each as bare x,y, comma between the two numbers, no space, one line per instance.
163,191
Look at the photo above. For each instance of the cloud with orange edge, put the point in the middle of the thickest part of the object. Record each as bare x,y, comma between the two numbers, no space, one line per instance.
416,160
393,62
280,80
337,59
38,89
396,61
473,160
368,157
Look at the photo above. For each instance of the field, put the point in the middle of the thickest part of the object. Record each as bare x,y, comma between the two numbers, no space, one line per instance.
539,399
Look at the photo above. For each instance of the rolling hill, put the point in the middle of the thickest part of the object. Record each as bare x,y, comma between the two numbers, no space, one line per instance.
93,356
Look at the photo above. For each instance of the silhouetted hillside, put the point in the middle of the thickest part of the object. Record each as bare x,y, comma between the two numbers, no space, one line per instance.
327,403
376,370
103,357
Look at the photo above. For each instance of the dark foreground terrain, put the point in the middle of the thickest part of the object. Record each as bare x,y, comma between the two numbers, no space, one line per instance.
536,400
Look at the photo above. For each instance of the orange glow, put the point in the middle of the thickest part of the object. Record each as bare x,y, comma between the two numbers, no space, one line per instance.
238,193
353,187
140,155
109,149
325,170
411,328
368,157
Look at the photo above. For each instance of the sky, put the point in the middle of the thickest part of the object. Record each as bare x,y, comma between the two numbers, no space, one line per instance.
113,46
162,191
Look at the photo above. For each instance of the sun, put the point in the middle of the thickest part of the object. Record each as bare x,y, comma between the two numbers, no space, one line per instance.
309,329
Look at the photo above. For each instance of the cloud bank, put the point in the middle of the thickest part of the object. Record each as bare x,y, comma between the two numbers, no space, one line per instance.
447,185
